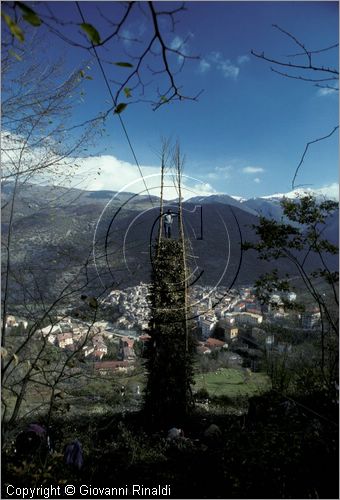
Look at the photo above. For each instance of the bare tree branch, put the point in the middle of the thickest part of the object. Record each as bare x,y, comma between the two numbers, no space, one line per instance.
298,77
306,149
293,65
336,89
306,52
314,51
309,67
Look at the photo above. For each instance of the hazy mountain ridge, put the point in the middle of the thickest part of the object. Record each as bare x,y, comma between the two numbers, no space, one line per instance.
270,207
54,230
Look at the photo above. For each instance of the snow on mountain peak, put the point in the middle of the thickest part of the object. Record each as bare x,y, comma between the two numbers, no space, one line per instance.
238,198
330,192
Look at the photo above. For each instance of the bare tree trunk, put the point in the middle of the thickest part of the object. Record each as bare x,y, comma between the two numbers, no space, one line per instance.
164,153
8,266
179,164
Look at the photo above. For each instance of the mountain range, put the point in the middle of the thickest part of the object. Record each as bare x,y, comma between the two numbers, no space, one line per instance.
267,206
56,230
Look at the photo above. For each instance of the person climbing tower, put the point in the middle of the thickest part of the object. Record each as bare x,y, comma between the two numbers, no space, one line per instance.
168,220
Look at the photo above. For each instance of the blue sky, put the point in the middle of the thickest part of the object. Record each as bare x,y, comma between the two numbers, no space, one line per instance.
248,130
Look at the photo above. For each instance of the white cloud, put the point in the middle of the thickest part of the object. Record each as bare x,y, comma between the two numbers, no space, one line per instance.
44,160
95,173
133,33
224,171
212,176
220,173
228,69
204,189
243,59
178,43
326,91
215,56
116,175
252,170
224,66
127,37
109,173
257,180
204,66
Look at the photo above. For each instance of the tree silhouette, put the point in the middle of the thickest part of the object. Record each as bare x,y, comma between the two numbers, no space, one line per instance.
168,397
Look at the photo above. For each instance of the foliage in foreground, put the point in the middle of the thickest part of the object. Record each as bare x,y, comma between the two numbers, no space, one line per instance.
279,450
296,241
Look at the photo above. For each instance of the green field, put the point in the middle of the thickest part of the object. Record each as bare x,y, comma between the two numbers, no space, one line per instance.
100,394
232,382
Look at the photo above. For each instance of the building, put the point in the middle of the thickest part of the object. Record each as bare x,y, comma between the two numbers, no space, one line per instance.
291,296
252,306
240,306
24,323
218,312
310,319
144,338
64,340
230,330
230,319
125,349
105,367
270,341
99,352
215,344
100,348
88,349
207,326
249,318
245,292
11,321
231,333
15,323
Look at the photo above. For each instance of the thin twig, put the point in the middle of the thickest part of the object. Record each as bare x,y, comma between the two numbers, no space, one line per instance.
306,149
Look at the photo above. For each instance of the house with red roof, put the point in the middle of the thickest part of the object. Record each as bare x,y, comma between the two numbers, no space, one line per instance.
212,344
